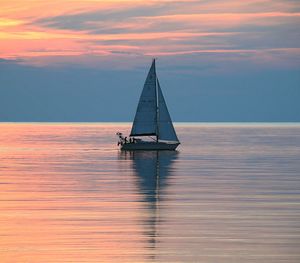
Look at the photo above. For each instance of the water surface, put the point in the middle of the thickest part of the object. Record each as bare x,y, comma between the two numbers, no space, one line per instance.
231,193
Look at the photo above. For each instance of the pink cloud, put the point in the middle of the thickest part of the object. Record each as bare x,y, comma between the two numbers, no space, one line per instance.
169,28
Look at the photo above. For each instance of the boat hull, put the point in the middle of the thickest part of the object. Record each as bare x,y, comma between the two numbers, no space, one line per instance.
151,146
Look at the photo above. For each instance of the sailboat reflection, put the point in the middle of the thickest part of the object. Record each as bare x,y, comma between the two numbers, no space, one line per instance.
152,169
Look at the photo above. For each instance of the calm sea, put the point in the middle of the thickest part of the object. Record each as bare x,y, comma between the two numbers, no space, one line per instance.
231,193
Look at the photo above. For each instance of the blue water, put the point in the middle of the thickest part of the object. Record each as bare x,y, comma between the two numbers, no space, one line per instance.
231,193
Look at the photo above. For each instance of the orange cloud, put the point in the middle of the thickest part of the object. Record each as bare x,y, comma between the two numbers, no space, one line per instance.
164,28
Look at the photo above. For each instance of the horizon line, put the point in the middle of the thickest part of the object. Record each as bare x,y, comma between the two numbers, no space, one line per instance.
176,122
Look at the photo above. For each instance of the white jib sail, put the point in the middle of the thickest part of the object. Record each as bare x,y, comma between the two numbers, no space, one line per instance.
166,129
145,120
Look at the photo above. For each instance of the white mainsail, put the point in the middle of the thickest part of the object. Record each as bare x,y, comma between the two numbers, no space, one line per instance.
152,116
145,120
166,129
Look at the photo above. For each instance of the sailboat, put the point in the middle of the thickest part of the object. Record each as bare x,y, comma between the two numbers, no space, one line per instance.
152,127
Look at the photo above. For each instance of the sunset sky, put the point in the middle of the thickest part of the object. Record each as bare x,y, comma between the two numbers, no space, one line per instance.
74,60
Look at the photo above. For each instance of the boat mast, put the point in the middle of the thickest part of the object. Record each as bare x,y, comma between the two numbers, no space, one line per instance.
157,104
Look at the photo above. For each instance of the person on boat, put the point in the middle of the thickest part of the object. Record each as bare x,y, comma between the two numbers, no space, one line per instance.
125,139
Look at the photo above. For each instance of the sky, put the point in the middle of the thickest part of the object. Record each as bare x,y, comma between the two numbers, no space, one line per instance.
75,60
